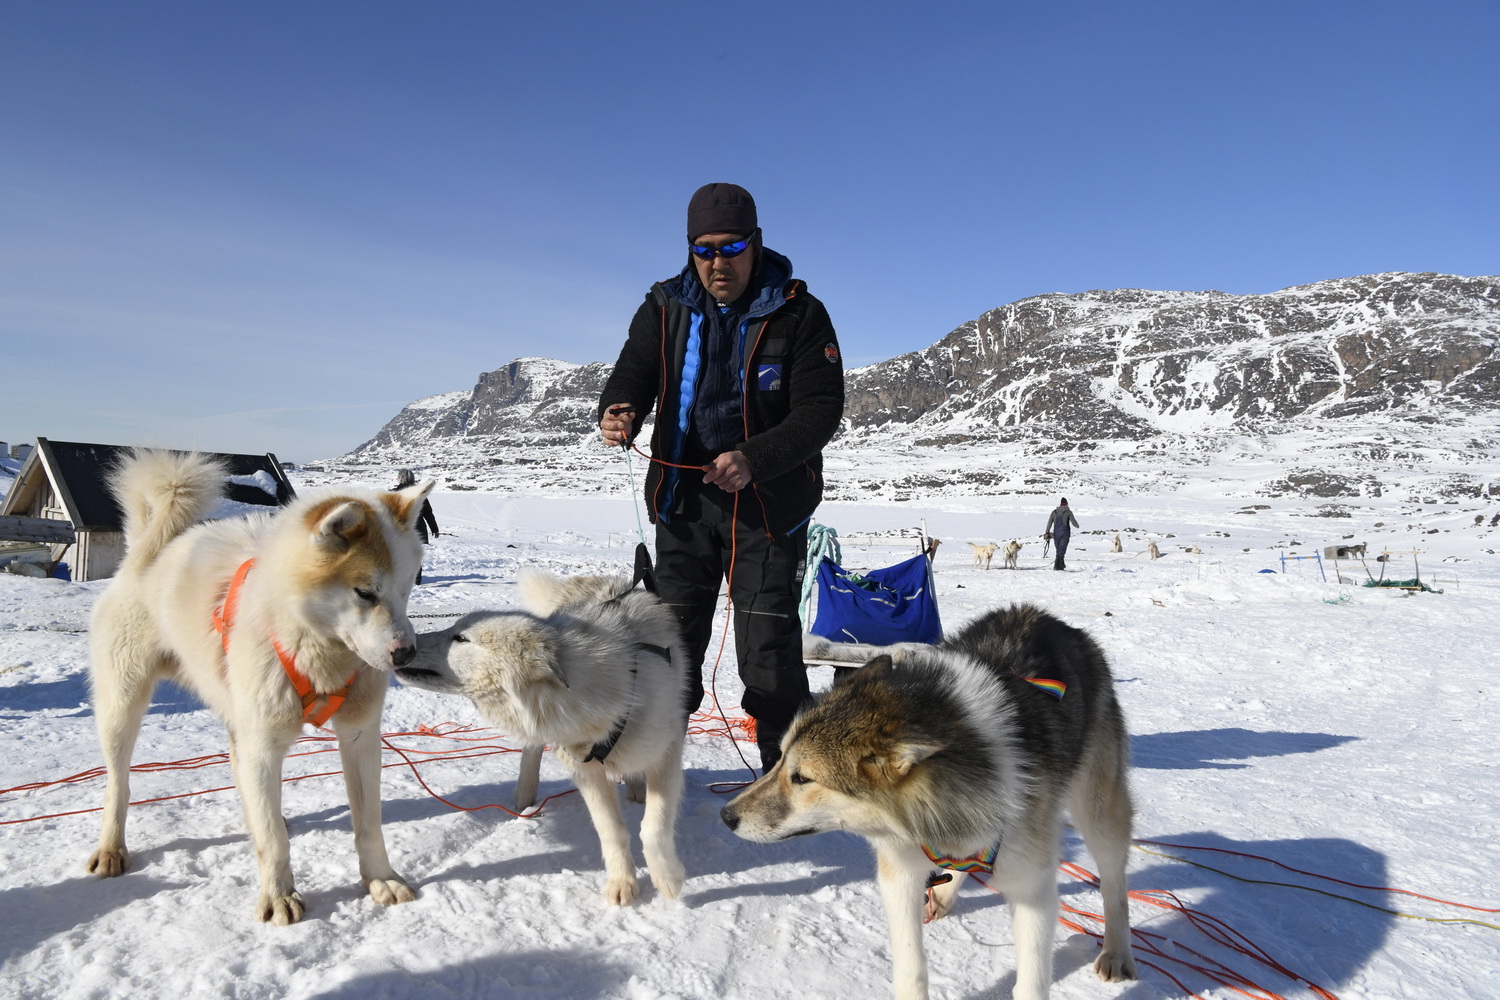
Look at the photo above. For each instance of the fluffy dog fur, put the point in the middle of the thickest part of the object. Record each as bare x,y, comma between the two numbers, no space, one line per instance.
565,672
947,746
1011,551
330,583
983,554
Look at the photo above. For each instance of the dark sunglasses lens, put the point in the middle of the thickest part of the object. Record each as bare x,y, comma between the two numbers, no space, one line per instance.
731,250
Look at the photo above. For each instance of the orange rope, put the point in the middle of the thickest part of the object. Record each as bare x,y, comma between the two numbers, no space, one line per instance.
725,787
1211,927
746,725
446,731
1326,878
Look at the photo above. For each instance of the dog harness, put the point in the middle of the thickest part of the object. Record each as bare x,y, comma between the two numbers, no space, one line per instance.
602,749
984,861
1055,688
316,708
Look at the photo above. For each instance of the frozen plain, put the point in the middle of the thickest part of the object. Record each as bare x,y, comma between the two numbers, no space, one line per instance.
1332,728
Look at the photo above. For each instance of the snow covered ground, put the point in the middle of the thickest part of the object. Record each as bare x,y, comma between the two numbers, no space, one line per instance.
1343,731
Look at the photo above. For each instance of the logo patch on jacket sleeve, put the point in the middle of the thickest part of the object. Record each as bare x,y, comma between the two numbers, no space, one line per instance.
768,377
831,352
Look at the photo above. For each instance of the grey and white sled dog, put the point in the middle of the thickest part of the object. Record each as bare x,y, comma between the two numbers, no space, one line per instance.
949,749
271,620
593,669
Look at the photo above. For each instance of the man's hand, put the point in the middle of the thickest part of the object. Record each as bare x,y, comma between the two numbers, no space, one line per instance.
615,425
730,472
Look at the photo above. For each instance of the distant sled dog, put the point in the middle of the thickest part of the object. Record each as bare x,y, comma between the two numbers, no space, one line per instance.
312,597
593,669
949,749
983,554
1012,550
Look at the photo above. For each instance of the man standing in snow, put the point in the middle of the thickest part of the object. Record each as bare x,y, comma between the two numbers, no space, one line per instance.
744,371
426,521
1060,524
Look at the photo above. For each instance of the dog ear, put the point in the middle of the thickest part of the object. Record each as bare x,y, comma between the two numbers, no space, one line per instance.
910,751
844,675
406,505
338,525
539,664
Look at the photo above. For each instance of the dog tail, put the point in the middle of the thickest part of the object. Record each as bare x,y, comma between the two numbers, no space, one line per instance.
542,593
163,493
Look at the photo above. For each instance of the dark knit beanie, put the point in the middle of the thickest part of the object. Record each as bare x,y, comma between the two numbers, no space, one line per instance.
721,208
1064,501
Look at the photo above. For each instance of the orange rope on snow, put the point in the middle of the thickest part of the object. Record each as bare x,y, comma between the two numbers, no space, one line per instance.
411,757
1326,878
741,727
725,787
1217,930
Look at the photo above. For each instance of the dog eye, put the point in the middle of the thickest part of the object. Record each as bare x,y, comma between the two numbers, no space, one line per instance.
460,637
368,596
798,778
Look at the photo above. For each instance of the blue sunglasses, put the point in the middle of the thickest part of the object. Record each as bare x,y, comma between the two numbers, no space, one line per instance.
728,250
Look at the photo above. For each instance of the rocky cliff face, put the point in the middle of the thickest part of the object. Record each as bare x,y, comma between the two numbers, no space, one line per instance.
1328,383
1132,364
534,402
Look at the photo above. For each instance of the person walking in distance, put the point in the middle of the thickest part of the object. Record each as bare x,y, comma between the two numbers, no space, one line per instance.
1060,524
425,521
743,369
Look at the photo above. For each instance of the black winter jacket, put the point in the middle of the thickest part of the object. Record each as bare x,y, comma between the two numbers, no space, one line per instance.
791,403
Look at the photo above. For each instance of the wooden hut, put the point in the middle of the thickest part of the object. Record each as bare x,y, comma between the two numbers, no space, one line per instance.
60,498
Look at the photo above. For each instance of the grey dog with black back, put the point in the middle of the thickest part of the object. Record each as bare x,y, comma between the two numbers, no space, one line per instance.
951,748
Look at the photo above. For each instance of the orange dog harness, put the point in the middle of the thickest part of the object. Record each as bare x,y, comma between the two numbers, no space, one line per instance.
316,708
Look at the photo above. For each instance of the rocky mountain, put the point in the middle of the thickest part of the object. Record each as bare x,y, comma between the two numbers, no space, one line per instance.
1334,389
1133,364
534,402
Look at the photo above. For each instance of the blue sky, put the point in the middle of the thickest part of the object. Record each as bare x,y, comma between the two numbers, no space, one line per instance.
252,227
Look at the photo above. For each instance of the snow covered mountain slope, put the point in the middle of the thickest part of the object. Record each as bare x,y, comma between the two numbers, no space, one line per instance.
1335,390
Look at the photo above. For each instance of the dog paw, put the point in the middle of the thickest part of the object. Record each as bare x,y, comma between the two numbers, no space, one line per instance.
939,902
280,910
935,910
389,891
668,878
621,891
1113,967
109,862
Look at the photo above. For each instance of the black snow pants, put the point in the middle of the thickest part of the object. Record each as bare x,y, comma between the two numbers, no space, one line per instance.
692,561
1060,542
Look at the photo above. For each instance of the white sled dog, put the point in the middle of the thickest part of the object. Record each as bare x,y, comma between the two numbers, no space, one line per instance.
943,752
593,669
1012,550
983,554
272,620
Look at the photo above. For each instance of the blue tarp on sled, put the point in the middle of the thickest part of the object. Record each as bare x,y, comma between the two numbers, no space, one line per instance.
881,606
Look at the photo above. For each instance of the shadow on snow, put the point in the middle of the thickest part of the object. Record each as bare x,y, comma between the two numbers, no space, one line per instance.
1211,748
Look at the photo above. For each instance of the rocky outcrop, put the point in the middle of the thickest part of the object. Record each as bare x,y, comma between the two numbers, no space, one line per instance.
1130,364
529,402
1341,386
